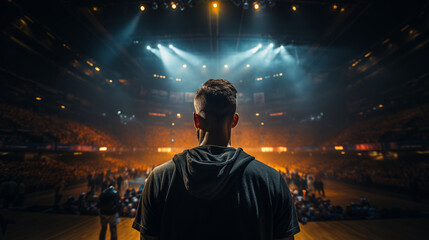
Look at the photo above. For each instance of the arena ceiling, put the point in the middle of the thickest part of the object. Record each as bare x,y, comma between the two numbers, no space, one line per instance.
329,42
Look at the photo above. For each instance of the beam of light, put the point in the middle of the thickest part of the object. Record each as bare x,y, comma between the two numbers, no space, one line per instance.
170,61
154,51
238,59
262,57
129,29
285,56
194,60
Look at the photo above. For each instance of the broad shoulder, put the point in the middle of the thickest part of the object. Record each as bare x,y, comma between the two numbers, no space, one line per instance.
166,168
258,168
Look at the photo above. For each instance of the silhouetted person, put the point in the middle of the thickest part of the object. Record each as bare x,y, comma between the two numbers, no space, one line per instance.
59,189
214,191
109,212
119,183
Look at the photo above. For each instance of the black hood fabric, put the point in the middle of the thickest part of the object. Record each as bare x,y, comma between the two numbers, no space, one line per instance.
209,171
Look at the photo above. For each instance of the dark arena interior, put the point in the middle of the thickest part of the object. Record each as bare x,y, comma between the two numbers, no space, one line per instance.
334,95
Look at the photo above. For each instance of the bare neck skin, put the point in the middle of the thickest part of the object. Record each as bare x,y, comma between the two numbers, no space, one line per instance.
219,135
214,137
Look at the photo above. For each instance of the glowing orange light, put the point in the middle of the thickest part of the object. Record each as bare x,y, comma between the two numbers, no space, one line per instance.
164,149
142,8
102,149
368,54
77,153
97,69
257,114
262,123
173,5
95,9
215,5
276,114
339,148
90,63
294,8
256,6
157,114
63,107
179,115
380,106
334,6
282,149
342,9
38,98
267,149
172,124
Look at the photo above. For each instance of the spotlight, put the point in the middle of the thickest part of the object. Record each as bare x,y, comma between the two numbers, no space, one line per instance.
148,47
173,5
184,66
154,5
215,5
204,66
259,45
142,8
271,44
248,65
281,46
245,5
225,66
159,45
170,45
256,5
294,8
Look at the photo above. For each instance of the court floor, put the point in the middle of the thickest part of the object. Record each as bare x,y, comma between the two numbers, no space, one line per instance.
61,226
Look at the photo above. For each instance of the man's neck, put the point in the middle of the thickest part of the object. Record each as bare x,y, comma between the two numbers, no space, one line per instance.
207,138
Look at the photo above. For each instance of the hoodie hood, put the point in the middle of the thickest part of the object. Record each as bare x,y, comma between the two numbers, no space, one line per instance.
208,171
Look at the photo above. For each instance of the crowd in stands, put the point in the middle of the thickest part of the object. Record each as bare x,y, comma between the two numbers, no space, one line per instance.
27,125
311,205
45,170
407,124
408,175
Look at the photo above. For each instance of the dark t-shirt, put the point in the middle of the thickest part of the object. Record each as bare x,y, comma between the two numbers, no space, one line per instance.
256,204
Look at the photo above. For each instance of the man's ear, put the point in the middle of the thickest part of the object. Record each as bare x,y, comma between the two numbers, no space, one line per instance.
196,121
235,120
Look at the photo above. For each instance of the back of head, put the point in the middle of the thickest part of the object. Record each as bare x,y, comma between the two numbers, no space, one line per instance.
216,101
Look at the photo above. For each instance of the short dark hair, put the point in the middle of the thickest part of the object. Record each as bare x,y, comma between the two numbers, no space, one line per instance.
216,99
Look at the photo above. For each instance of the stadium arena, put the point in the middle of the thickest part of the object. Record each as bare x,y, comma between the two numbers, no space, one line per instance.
331,94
